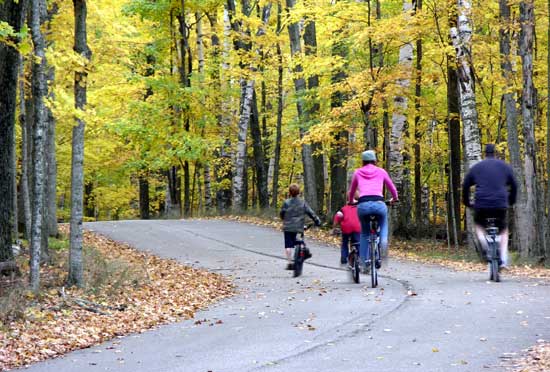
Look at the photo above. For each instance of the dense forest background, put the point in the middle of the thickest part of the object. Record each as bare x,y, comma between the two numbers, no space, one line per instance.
117,109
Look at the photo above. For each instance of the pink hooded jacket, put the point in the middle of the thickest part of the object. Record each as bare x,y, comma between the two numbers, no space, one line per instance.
370,181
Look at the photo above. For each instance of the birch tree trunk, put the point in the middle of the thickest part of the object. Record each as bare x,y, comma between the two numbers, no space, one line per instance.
399,157
12,12
461,40
310,190
530,243
247,94
77,164
39,92
512,121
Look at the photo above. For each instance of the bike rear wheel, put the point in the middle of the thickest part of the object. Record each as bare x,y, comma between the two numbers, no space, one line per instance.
299,257
494,263
373,270
354,266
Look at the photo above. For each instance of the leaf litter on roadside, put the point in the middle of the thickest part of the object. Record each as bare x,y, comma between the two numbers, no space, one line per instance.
60,320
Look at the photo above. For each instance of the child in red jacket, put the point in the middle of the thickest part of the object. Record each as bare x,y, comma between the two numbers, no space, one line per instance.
348,220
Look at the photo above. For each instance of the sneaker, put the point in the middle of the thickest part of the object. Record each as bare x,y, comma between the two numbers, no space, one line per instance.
290,266
307,254
377,263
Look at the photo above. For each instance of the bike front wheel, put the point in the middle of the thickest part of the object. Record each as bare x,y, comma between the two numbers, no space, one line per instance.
354,266
373,270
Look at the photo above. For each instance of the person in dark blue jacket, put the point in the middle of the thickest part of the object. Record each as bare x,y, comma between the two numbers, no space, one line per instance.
496,190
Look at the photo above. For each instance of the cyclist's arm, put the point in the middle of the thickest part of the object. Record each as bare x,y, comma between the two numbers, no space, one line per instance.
390,186
312,214
338,217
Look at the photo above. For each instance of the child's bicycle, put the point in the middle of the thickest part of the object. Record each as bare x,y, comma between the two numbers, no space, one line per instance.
493,254
301,253
353,261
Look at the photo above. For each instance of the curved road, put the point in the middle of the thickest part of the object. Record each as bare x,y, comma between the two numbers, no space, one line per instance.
321,321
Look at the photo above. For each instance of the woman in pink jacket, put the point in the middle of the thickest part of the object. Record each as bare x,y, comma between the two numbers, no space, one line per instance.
370,181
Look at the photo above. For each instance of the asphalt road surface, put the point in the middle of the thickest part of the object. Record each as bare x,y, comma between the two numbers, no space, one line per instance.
420,318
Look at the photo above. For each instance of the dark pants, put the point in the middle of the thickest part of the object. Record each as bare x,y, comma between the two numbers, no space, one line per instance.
346,240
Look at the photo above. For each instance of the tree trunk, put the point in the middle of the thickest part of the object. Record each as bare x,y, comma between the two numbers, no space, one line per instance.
76,268
461,39
39,92
143,197
247,93
310,189
310,47
547,224
51,161
399,157
25,152
419,219
280,108
207,187
511,119
12,12
259,158
454,162
530,242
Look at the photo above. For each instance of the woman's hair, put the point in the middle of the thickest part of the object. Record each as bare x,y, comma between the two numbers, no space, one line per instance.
294,190
367,162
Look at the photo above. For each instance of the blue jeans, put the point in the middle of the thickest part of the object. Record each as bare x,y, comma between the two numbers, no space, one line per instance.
364,210
347,239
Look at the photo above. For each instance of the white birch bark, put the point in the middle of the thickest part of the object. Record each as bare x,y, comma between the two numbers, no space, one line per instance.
240,155
461,39
398,167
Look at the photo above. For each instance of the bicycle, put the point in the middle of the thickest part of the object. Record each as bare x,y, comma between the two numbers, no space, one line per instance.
374,256
353,261
301,253
493,254
374,245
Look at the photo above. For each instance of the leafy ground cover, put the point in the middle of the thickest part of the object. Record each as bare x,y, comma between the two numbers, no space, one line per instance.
127,291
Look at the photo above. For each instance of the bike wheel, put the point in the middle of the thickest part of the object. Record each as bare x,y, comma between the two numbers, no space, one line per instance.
494,264
373,271
299,254
354,266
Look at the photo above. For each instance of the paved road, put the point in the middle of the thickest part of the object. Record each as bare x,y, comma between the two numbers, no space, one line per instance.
321,321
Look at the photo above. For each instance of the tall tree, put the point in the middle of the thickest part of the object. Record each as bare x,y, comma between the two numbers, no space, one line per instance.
77,165
511,115
12,13
25,154
530,242
418,210
280,107
39,92
461,39
399,156
310,189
